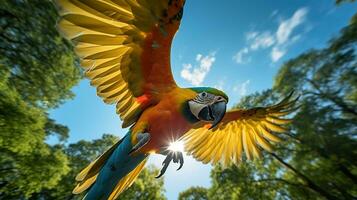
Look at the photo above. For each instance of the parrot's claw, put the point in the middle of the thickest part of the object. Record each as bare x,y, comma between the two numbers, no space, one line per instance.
175,156
143,138
181,161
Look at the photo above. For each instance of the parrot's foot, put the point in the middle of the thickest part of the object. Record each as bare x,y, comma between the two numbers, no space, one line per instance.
175,156
143,138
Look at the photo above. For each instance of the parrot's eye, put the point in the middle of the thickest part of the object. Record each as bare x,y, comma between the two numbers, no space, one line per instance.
203,94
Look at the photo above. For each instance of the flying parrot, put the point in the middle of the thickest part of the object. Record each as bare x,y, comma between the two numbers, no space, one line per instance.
124,48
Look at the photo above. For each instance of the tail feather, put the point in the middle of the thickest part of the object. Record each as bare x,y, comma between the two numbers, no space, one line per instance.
127,181
112,172
84,185
94,167
89,174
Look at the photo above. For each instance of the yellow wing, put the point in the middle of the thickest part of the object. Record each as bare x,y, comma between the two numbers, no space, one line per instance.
249,130
124,46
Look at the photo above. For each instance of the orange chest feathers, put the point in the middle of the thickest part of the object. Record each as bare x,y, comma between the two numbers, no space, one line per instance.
165,121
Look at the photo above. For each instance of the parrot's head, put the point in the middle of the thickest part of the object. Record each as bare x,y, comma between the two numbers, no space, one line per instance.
208,105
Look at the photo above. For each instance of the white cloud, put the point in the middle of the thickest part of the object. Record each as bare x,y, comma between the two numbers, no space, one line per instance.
240,56
262,41
251,35
278,41
198,57
242,88
283,34
276,54
286,27
196,74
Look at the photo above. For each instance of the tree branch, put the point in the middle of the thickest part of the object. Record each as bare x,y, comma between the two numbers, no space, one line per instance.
309,182
279,180
332,98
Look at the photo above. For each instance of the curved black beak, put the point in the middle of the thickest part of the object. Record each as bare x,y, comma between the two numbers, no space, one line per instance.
213,113
218,112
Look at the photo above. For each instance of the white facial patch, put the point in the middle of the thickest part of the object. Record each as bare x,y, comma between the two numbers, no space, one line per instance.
195,108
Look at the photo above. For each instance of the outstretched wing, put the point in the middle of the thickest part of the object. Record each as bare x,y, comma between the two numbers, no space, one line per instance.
124,47
249,130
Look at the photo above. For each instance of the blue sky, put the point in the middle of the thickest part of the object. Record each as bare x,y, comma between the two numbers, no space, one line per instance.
233,45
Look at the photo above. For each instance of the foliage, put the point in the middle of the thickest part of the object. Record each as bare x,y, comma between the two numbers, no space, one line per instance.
317,158
39,60
37,70
194,193
146,186
22,137
326,124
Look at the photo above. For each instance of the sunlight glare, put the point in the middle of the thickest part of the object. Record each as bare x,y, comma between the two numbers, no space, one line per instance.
176,146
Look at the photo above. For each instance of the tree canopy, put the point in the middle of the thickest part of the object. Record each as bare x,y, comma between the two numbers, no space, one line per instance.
317,158
37,70
40,62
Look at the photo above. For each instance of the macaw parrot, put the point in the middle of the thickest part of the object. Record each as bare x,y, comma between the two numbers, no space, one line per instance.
124,48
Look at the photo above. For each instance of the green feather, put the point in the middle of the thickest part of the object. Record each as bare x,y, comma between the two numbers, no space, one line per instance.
211,91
